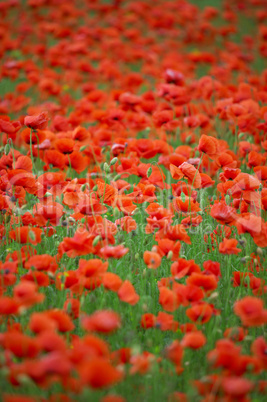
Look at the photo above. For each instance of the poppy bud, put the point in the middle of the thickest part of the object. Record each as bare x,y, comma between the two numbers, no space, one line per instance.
106,167
183,197
227,199
145,307
170,255
96,240
24,379
113,161
259,251
247,280
82,300
214,295
83,148
7,149
47,194
116,213
260,187
149,171
94,188
136,350
84,187
136,256
242,242
188,139
68,308
241,135
32,235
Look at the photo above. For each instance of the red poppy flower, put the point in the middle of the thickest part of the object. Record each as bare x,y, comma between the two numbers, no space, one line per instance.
194,340
148,320
103,321
168,299
26,234
207,282
223,213
236,334
237,387
228,246
174,352
112,281
201,312
128,294
152,260
44,262
37,122
166,322
251,311
26,293
259,350
113,252
208,145
99,373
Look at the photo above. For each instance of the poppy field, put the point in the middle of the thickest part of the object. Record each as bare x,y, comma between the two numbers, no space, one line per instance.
133,200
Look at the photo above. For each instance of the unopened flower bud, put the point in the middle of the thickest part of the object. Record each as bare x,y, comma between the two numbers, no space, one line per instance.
259,251
183,196
106,167
32,235
242,242
116,213
227,199
145,307
113,161
188,139
7,149
214,295
96,240
170,255
83,148
149,171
